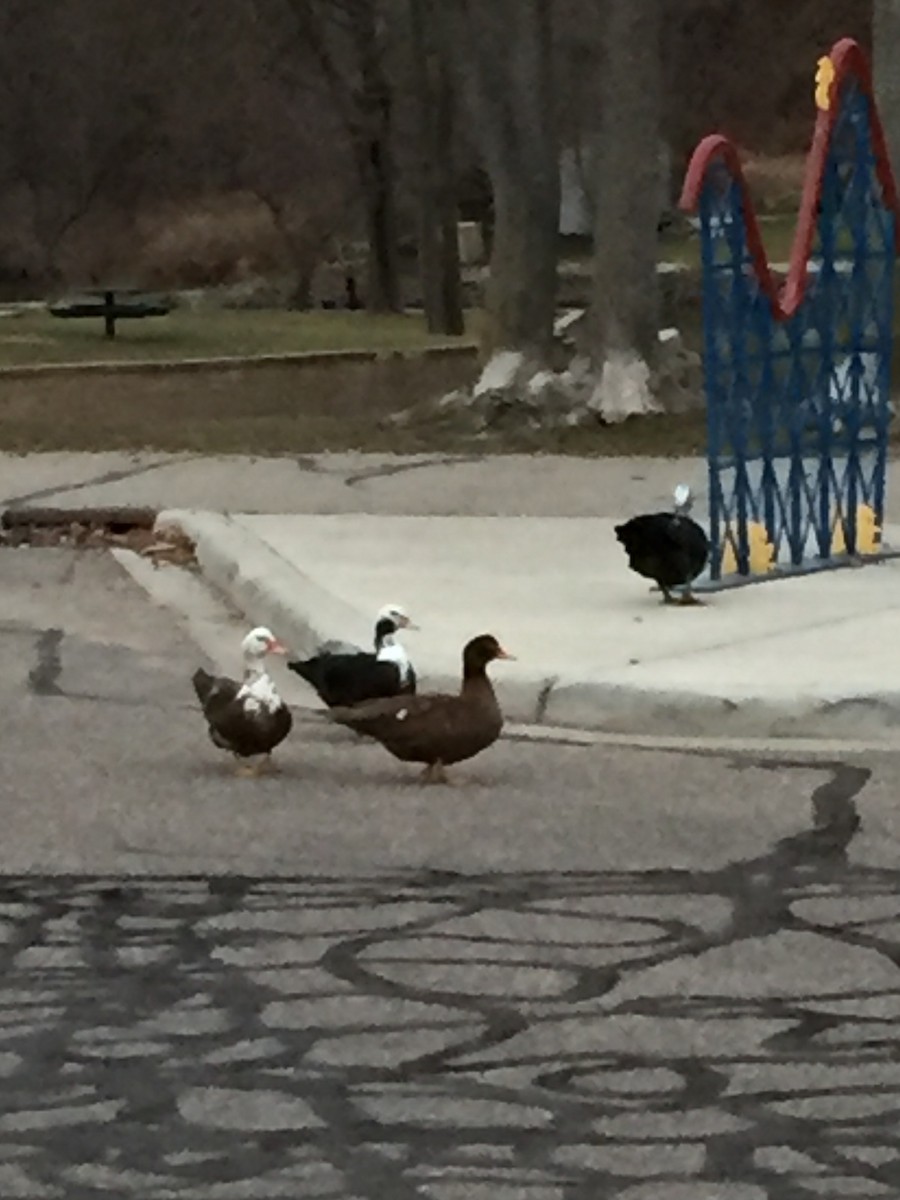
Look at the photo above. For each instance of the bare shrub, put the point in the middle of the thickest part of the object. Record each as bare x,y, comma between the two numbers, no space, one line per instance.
775,181
219,240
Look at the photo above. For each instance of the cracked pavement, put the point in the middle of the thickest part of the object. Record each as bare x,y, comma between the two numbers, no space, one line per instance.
428,484
583,972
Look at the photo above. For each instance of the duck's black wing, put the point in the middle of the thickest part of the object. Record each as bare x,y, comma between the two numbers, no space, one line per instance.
691,542
648,545
341,679
666,547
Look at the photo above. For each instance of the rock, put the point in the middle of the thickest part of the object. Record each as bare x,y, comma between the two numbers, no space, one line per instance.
513,392
623,389
678,381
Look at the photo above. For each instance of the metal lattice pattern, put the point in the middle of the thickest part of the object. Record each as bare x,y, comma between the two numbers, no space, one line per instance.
799,406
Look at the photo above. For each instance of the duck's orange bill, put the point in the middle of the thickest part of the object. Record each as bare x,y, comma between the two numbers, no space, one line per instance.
276,647
504,654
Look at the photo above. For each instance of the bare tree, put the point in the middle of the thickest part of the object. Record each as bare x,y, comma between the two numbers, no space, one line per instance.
437,185
297,164
76,116
886,45
349,41
503,55
622,326
108,107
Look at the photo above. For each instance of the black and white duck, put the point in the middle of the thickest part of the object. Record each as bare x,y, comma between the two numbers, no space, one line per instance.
247,718
668,547
344,674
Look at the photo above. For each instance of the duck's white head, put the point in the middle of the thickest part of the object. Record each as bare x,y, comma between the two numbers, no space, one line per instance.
259,642
683,498
396,613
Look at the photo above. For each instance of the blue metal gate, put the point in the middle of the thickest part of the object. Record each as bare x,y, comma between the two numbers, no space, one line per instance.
798,377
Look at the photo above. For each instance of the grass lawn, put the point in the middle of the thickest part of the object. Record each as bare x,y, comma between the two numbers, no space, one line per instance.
37,337
285,408
274,409
777,234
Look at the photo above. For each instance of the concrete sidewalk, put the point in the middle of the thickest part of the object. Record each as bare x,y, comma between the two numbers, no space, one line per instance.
427,484
540,568
810,657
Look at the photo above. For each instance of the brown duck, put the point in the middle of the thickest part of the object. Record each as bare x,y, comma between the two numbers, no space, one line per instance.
436,729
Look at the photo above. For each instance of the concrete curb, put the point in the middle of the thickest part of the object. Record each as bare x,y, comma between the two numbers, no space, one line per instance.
262,585
300,358
268,589
619,708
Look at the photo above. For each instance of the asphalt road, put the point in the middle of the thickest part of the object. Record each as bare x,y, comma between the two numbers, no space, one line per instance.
581,973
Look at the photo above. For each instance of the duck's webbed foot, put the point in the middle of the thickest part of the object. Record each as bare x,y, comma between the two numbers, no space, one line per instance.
434,773
246,768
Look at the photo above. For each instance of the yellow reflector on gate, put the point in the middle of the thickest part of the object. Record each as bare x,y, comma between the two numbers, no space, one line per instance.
761,552
868,533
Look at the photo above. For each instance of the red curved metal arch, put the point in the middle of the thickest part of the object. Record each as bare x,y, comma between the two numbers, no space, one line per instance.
848,60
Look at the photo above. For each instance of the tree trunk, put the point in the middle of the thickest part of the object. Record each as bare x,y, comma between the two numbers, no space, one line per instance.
886,69
623,325
300,299
521,290
382,276
503,54
376,165
365,104
438,210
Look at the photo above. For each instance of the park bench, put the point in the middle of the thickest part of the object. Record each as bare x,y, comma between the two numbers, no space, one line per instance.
112,305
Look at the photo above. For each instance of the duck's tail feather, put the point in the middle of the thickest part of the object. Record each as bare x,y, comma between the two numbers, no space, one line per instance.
312,671
203,684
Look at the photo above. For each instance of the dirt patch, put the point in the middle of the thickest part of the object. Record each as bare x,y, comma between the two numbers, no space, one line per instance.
297,410
263,409
99,529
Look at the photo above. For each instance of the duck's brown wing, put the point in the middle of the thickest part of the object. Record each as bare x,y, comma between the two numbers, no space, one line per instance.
231,726
424,729
388,709
213,689
248,733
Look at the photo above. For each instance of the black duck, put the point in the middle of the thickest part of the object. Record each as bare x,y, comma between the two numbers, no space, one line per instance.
669,548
